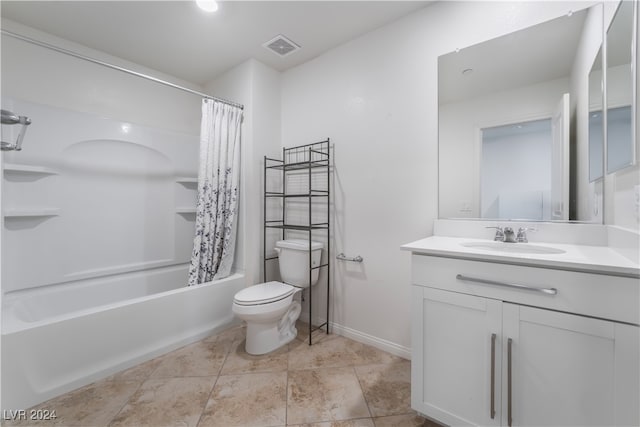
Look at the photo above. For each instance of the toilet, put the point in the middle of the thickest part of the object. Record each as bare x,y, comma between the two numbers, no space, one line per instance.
272,308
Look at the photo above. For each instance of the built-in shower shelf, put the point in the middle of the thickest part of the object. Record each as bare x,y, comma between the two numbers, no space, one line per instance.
30,212
186,210
186,180
30,169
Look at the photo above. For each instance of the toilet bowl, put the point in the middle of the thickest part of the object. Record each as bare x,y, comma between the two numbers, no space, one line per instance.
271,309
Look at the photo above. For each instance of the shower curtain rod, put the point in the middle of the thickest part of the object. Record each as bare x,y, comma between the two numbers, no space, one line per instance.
116,67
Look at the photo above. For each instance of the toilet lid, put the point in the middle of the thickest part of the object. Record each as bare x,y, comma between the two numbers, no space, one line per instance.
263,293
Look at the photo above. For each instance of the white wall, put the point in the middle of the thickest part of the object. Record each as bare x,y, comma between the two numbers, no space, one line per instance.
460,124
112,203
516,175
39,75
376,97
257,86
588,195
619,201
118,145
622,208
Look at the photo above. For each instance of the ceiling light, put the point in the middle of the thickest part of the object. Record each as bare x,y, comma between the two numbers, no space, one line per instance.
207,5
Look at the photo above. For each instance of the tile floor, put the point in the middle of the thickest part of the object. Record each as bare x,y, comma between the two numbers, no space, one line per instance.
336,382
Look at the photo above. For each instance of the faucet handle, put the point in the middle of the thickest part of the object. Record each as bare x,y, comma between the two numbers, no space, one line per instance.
499,237
522,234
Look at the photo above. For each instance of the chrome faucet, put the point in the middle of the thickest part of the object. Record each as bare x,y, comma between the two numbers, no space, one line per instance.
499,237
522,234
509,235
504,234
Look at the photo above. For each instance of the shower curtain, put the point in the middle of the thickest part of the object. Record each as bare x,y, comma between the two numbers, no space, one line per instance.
218,191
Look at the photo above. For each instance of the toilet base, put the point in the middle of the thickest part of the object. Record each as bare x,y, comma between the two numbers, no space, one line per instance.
264,338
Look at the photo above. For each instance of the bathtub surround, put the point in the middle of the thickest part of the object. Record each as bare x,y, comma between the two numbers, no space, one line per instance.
218,192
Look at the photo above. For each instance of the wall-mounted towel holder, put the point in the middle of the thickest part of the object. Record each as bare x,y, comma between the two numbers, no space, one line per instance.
343,257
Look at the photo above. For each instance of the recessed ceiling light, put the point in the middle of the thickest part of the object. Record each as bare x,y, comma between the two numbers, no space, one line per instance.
207,5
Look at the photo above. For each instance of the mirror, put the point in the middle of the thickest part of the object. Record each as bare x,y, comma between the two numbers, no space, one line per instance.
596,120
620,138
504,120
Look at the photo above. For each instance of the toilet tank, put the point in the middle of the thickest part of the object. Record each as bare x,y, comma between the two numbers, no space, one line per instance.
293,258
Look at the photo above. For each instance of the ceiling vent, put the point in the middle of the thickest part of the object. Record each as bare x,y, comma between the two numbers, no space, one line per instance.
281,45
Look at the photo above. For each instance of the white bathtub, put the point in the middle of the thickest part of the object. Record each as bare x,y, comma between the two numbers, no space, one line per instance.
63,337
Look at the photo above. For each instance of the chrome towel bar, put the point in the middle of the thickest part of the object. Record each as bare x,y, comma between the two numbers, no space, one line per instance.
343,257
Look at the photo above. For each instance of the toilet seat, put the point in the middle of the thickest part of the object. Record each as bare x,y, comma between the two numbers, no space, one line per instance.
263,293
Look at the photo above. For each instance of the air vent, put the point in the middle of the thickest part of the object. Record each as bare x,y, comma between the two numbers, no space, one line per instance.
281,45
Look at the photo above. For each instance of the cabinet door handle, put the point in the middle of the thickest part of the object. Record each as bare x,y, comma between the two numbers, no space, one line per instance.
493,376
547,291
509,409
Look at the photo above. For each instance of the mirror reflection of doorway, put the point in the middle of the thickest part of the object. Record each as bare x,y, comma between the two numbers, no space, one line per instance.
515,170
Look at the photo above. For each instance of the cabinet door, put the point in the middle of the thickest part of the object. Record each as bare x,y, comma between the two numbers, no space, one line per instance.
567,369
452,357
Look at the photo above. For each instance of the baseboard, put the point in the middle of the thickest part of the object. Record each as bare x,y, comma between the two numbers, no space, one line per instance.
361,337
379,343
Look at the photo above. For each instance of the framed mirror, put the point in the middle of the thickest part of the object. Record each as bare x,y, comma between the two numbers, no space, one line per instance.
621,104
596,120
505,110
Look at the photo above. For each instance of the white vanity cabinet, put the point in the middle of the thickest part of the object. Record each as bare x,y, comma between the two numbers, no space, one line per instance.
485,354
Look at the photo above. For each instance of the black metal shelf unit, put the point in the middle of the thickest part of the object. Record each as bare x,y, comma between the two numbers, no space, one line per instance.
313,158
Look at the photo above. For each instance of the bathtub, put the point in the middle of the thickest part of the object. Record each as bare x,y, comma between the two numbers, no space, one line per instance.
59,338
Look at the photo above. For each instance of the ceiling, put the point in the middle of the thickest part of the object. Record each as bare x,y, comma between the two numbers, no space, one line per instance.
537,54
179,39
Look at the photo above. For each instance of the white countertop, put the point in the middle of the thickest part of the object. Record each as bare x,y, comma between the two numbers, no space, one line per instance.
592,259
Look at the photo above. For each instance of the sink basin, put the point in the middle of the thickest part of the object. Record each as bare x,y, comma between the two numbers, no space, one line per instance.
517,248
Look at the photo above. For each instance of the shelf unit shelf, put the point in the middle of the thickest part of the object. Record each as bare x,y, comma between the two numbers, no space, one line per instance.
298,165
314,157
299,227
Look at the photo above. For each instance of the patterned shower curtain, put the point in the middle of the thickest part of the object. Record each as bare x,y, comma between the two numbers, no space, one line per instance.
218,191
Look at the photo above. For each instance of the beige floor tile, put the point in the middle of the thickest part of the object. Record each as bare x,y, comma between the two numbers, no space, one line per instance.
254,400
139,372
316,336
324,395
336,382
387,388
90,406
240,362
362,422
201,359
230,336
429,423
407,420
166,402
334,351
